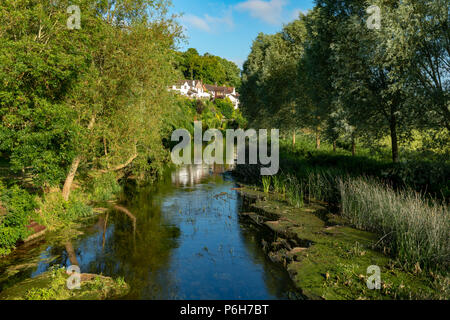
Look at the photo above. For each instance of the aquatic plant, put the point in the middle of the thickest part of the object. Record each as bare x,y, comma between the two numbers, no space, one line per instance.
266,181
294,191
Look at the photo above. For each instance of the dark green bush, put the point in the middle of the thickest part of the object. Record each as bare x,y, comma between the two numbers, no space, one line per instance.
19,205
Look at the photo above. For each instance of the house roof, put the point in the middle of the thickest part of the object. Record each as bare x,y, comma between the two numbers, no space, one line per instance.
210,87
225,90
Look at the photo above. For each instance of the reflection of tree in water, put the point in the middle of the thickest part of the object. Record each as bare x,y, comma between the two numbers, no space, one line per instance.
140,256
189,175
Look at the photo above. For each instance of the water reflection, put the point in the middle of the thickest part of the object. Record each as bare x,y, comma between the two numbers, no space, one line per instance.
190,175
179,239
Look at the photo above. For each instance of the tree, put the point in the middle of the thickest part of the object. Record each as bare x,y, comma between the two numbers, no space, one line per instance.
84,99
129,90
416,35
208,68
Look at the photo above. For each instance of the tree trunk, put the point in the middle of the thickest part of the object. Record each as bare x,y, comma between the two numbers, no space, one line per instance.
73,169
353,146
105,147
70,177
317,139
334,145
394,138
293,138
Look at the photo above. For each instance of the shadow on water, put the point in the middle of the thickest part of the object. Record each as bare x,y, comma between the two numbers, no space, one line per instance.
178,239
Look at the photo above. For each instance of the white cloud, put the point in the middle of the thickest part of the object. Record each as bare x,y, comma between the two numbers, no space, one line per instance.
239,62
208,23
297,12
269,11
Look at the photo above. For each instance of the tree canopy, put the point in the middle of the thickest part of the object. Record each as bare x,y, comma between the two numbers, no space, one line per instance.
208,68
84,99
329,73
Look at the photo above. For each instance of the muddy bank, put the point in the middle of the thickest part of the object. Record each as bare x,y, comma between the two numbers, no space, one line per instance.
328,259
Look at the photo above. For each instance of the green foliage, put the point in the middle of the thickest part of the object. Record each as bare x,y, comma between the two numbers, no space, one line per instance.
266,181
320,170
326,72
19,205
57,213
226,107
105,187
239,121
279,185
294,191
92,92
208,68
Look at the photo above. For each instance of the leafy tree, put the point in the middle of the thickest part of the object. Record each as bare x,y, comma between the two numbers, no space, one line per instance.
208,68
416,36
84,99
226,107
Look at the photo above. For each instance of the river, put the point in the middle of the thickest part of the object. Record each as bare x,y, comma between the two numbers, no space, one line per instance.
180,238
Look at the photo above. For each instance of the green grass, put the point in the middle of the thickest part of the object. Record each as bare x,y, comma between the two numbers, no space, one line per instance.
414,229
429,175
266,181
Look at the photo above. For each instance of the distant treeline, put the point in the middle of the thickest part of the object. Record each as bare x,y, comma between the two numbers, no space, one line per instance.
207,68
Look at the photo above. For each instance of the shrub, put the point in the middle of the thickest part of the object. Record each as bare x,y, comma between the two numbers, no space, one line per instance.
56,212
226,107
105,187
19,205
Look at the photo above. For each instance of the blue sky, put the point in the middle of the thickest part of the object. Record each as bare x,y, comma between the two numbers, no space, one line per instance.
227,28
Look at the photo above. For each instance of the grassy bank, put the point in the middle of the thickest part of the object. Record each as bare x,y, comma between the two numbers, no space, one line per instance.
52,285
404,204
327,258
19,207
414,229
410,227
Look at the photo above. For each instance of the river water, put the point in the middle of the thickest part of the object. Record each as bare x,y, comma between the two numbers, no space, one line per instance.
179,239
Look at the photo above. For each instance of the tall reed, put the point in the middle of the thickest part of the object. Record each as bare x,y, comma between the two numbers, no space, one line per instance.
266,181
415,229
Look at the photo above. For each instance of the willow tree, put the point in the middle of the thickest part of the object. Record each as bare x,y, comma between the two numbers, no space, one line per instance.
270,87
125,96
89,98
416,36
41,61
252,89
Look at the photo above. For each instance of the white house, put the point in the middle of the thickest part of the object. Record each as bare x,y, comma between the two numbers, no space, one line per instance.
191,89
235,99
197,90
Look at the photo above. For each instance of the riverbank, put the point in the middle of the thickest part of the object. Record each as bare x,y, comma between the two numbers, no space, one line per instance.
52,285
328,259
